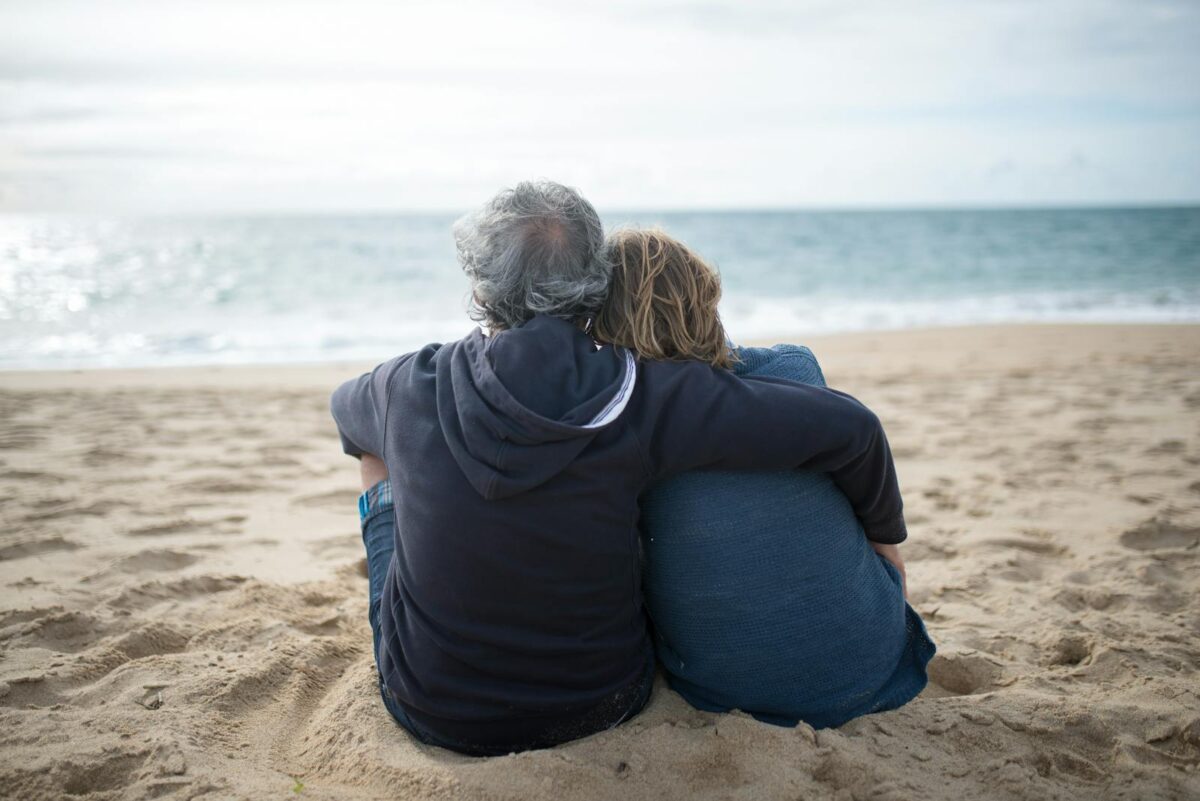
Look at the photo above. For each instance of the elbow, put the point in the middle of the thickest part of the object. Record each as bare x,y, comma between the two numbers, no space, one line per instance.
867,428
337,404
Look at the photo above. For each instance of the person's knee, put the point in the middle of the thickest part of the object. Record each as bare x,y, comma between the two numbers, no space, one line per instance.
373,471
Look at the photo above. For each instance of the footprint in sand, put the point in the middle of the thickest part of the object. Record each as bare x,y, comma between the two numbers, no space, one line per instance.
924,550
1066,649
351,543
148,639
101,456
21,550
60,631
62,508
964,671
169,528
334,499
21,437
92,773
31,475
1026,554
151,593
9,619
230,524
155,560
943,501
1040,547
1077,599
1167,447
215,485
1158,533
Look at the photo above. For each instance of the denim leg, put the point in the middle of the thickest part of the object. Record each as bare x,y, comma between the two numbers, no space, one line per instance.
379,537
378,520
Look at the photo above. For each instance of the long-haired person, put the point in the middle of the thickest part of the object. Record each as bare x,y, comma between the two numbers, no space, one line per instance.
764,591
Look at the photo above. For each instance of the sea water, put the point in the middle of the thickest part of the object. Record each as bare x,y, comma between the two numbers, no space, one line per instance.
167,291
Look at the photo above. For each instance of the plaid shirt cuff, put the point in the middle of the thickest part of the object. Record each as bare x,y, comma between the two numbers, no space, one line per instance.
375,500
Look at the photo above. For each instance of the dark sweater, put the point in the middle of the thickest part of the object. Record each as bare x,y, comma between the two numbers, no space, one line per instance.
516,462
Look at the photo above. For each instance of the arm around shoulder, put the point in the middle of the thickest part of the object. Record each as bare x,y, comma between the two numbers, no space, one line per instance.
696,417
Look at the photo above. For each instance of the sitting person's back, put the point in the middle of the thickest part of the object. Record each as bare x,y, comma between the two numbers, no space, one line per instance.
499,517
767,597
765,592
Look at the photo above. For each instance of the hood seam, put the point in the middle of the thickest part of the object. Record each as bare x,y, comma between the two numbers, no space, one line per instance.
488,379
496,470
620,399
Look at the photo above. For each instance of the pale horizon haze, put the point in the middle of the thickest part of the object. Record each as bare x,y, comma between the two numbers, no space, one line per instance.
130,107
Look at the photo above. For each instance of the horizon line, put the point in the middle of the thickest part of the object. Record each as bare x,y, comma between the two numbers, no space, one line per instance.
748,209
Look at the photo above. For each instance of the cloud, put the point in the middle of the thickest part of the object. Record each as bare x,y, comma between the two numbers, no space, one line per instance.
274,104
120,153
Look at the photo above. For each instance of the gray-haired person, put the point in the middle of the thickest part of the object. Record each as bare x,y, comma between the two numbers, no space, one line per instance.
500,515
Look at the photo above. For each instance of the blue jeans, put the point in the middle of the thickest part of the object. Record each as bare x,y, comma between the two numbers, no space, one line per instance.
766,595
376,514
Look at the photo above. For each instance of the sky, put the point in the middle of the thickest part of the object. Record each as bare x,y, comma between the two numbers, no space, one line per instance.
271,106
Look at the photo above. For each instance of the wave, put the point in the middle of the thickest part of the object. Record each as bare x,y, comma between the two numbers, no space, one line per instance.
375,336
150,292
751,317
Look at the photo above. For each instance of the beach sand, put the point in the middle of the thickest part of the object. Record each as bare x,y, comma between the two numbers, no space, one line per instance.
183,602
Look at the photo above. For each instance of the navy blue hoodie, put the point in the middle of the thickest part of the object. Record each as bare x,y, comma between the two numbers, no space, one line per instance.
516,461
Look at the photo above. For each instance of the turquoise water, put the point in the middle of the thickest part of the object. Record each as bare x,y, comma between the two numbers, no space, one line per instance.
157,291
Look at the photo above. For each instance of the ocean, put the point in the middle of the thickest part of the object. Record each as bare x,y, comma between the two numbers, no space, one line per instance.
78,293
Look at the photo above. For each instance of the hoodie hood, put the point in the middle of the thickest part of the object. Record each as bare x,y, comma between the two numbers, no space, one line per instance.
518,406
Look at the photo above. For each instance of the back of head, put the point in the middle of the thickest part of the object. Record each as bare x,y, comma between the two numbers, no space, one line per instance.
534,249
663,300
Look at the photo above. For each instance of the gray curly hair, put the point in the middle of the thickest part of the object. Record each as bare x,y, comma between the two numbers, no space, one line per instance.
537,248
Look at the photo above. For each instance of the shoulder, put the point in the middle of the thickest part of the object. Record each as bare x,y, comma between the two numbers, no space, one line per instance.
662,372
666,387
379,379
793,362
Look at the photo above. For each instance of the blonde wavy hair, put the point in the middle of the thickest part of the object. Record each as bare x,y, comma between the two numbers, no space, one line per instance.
662,302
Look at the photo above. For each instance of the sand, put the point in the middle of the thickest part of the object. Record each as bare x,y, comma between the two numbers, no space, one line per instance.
183,603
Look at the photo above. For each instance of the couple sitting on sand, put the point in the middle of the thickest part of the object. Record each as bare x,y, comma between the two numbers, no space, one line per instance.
532,492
